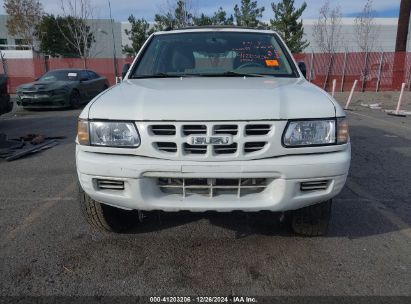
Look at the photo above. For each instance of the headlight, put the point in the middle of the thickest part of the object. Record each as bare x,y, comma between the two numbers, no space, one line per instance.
316,132
108,134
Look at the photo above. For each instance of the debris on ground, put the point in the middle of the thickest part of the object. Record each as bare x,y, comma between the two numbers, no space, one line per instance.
12,149
36,139
8,146
401,113
374,106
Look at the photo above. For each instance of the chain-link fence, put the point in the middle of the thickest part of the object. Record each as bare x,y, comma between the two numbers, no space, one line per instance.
377,71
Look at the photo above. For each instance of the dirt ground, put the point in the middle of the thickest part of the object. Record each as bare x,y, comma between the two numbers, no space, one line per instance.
387,100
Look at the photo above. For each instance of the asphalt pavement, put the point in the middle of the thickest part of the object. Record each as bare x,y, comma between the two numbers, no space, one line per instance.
47,248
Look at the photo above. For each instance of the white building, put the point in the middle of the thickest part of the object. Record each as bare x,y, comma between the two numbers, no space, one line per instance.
104,46
385,41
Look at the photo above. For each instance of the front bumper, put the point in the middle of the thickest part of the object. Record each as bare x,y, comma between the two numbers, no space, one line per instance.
43,101
142,192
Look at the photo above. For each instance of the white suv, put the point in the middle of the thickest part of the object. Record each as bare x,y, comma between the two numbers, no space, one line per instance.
212,119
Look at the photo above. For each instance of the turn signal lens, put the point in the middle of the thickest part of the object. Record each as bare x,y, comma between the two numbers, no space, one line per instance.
343,135
82,132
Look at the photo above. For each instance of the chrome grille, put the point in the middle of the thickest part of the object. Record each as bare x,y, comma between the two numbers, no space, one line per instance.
107,184
212,187
163,129
192,149
226,149
314,185
174,140
194,129
166,147
257,129
251,147
226,129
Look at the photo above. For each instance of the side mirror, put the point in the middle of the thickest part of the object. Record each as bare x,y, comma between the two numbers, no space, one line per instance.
303,68
84,79
125,70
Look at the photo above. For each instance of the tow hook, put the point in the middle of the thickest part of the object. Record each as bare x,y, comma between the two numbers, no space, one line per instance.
140,216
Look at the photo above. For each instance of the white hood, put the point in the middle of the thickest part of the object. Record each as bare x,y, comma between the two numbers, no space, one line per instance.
212,98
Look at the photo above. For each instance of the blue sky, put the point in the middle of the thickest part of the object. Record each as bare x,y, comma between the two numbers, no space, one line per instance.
147,8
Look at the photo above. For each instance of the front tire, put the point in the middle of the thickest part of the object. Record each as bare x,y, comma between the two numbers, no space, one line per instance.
312,220
10,106
106,218
75,99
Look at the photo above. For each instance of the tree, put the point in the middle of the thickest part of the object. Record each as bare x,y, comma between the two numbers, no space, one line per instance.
219,18
183,13
76,30
138,34
248,14
327,29
24,16
164,21
203,20
286,22
48,33
327,33
175,16
365,29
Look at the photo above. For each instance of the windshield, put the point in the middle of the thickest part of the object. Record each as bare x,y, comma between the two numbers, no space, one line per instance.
60,76
214,54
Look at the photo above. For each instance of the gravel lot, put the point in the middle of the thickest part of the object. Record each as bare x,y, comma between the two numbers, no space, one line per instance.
46,247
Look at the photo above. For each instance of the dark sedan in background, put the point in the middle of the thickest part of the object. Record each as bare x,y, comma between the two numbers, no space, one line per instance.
6,105
61,88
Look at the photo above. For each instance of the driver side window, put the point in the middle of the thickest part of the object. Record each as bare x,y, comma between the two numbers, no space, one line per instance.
84,76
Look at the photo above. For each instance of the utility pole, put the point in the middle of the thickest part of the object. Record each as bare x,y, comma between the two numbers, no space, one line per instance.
399,70
403,26
114,42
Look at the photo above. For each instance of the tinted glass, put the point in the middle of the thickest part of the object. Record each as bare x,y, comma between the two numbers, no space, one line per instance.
215,53
84,75
60,76
93,75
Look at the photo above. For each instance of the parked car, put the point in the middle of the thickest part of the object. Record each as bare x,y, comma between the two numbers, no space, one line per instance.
61,88
6,105
217,119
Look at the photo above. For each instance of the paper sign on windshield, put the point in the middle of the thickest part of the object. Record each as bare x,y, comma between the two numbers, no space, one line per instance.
272,63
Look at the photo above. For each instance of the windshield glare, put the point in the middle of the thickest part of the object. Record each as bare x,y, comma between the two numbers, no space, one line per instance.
60,76
214,53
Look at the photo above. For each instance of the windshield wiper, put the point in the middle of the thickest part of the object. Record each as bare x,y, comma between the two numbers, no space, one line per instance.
157,75
225,74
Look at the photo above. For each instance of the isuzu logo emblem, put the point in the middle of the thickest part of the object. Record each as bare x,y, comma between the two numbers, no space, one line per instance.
210,140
